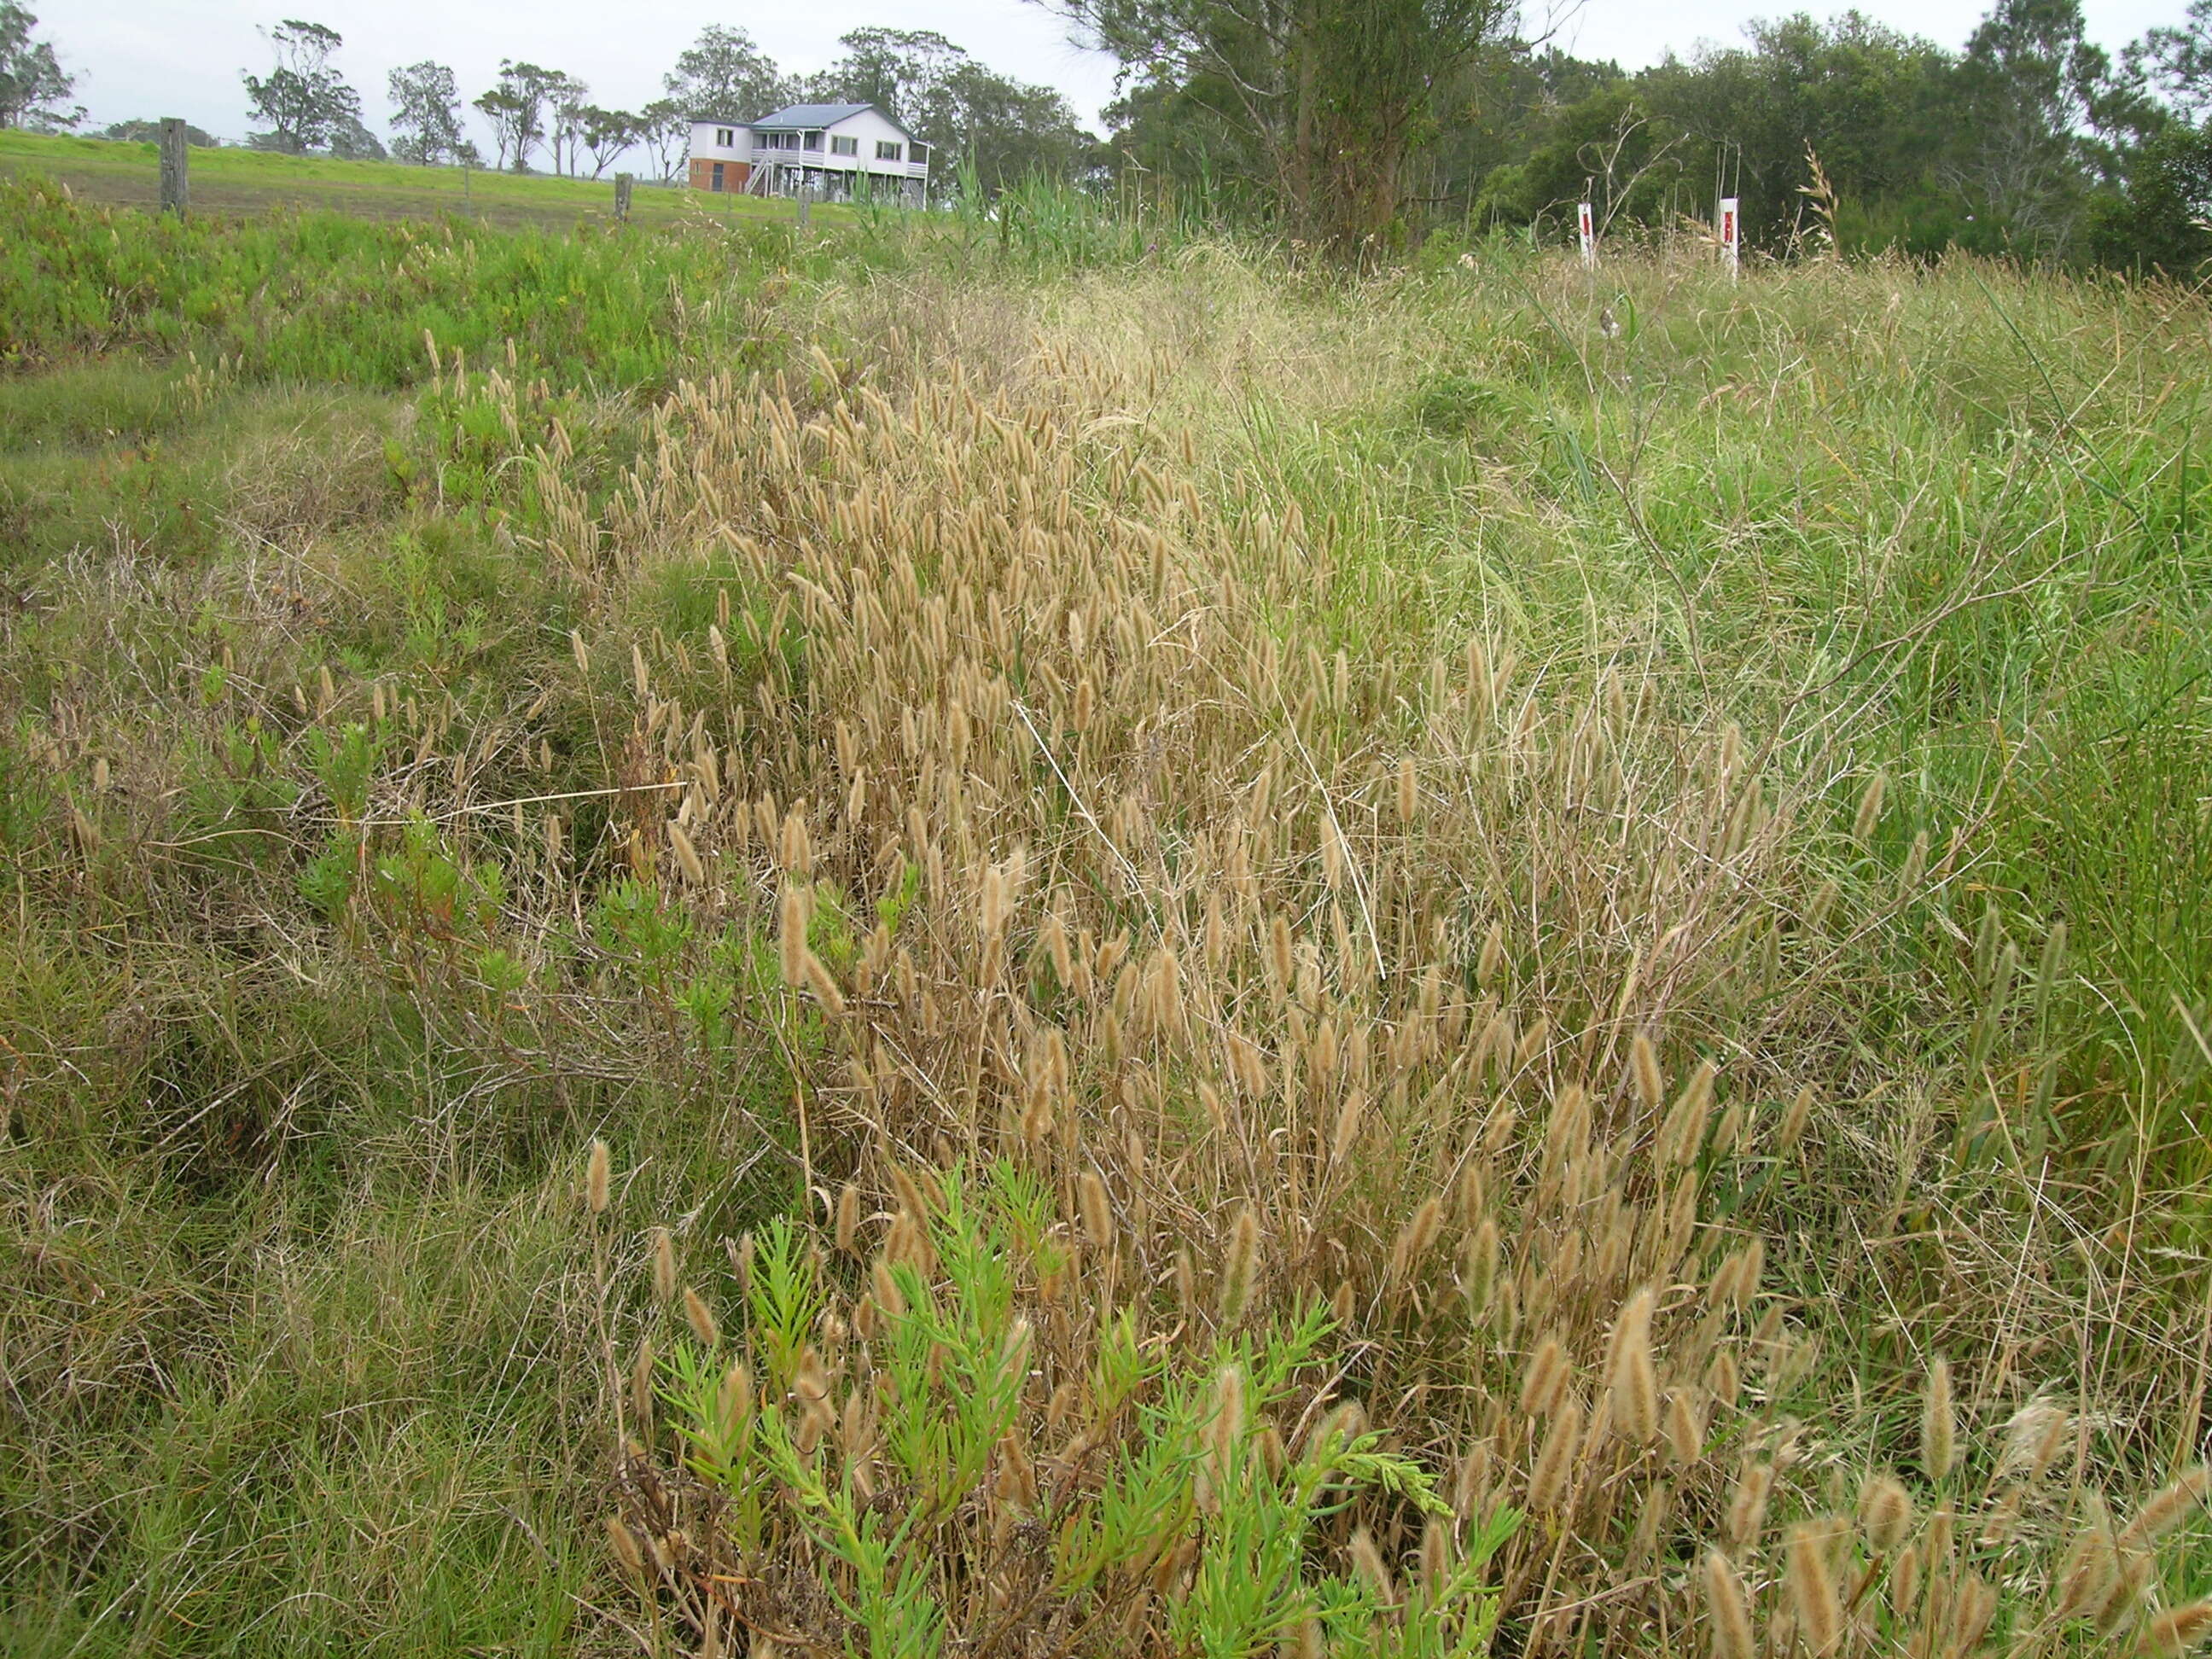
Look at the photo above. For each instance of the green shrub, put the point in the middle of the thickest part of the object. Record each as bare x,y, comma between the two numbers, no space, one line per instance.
995,1466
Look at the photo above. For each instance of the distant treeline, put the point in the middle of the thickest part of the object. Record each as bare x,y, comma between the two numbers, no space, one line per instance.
984,129
1383,118
1364,126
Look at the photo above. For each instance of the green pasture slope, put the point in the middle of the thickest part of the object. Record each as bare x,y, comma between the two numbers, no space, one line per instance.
246,181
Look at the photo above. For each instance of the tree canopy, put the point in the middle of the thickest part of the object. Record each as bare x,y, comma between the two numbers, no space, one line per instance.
32,82
425,112
724,76
303,103
1389,124
984,129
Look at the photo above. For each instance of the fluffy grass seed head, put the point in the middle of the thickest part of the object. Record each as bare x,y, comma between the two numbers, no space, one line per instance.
1493,954
1633,1379
1478,1272
2033,1437
1240,1267
848,1219
1728,1608
1224,1433
1414,1239
702,1319
1685,1427
1794,1120
1746,1511
822,984
1544,1383
625,1546
1549,1481
1644,1064
664,1266
1351,1118
2168,1507
687,855
790,937
1684,1131
1884,1513
2087,1572
735,1398
1939,1423
1812,1583
2181,1630
796,849
1973,1604
1367,1561
1723,1379
1281,960
1869,812
595,1179
1098,1212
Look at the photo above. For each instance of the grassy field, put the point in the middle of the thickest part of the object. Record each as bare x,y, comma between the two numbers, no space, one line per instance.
1042,936
234,182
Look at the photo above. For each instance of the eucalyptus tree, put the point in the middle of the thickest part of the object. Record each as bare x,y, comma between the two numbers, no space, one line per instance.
302,102
1334,102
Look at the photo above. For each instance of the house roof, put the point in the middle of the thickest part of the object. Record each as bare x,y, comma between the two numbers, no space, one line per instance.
812,115
796,118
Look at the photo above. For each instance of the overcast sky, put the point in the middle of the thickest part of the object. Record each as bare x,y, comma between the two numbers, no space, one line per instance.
141,58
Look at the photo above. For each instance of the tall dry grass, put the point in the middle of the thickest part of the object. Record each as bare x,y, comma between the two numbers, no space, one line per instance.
1490,1001
1376,1033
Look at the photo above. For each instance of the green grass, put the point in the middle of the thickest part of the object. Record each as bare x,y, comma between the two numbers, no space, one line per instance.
228,182
344,687
334,299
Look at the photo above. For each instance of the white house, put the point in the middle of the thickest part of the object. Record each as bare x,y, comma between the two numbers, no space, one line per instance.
836,150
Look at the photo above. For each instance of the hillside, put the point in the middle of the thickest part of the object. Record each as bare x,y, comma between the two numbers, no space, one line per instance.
230,181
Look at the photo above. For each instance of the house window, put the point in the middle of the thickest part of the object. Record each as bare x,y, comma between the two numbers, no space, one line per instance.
717,185
725,138
814,141
844,146
888,151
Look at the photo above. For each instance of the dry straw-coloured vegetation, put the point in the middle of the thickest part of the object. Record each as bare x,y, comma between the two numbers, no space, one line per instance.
1151,960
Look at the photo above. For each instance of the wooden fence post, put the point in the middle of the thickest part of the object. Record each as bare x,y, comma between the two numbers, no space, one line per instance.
805,200
621,198
176,186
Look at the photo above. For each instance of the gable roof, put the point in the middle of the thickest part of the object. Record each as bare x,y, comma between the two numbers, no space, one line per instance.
794,117
813,115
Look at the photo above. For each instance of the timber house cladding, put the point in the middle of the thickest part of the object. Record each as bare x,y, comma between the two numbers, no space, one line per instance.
835,150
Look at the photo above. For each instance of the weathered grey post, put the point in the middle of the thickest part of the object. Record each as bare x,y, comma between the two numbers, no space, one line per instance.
175,182
805,200
622,197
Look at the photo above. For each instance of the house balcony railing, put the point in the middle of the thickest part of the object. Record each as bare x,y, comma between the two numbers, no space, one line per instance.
765,157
